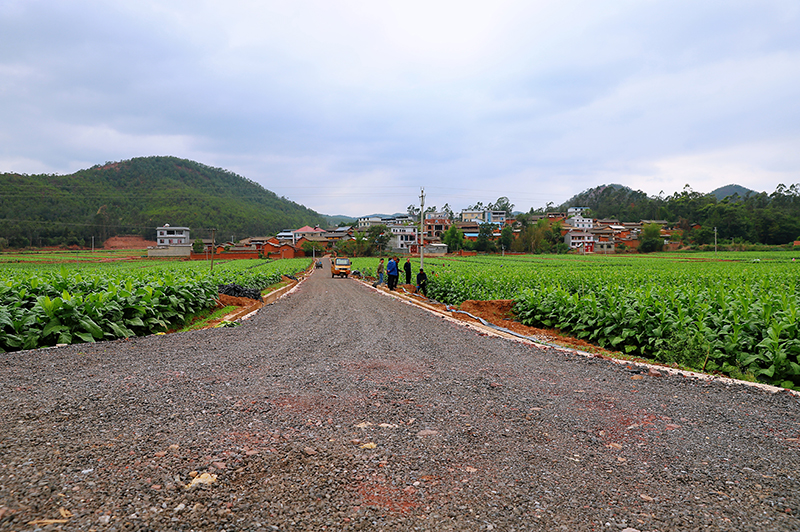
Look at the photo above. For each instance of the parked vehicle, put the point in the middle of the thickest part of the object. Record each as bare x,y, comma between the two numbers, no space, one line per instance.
340,266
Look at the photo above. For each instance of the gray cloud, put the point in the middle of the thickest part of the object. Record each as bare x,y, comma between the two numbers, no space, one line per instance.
351,107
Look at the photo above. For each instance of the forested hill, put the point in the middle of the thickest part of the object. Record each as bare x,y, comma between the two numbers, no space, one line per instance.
745,215
135,197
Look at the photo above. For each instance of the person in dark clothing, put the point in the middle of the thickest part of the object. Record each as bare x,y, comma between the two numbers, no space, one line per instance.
380,273
407,269
422,282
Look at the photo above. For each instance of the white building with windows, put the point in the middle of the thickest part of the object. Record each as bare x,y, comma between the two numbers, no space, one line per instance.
172,236
287,235
403,237
171,242
579,222
368,221
576,211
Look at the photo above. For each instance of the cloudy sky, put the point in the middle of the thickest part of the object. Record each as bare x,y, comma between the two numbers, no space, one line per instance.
349,107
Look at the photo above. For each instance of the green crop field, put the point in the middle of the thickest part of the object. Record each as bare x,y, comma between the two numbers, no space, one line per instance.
49,304
82,255
736,313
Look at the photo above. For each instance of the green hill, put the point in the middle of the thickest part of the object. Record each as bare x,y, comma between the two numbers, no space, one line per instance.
732,190
135,197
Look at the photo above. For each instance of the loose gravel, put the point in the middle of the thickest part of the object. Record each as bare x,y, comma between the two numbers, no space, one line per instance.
342,408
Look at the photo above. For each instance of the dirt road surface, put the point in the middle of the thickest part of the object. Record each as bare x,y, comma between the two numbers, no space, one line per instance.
342,408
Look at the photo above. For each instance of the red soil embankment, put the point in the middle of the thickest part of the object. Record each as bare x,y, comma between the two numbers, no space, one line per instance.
128,242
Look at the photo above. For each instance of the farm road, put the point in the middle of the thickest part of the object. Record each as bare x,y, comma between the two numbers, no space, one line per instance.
342,408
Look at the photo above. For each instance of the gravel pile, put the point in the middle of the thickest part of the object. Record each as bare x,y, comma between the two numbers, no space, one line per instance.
341,408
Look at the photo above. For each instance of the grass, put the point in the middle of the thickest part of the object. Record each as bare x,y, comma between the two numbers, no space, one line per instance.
276,286
202,319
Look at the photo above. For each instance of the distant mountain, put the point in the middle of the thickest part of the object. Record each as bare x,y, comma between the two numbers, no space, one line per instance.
395,215
135,197
731,190
333,220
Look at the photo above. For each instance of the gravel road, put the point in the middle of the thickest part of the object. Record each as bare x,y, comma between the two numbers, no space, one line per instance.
340,407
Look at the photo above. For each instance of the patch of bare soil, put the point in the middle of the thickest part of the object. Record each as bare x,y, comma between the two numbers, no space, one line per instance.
245,306
128,242
500,312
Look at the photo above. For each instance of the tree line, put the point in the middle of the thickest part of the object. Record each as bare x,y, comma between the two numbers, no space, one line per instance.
772,219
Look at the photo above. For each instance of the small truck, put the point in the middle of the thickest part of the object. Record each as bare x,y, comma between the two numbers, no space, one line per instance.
340,266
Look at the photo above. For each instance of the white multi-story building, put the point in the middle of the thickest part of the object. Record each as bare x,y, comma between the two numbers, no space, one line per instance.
368,221
576,211
579,222
172,236
286,235
403,237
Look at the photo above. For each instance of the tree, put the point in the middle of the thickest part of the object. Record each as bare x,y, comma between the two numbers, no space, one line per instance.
448,212
197,246
507,237
651,239
378,237
485,231
502,204
313,248
454,238
413,212
542,237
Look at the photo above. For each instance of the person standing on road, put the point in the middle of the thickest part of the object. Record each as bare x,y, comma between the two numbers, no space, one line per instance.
422,282
392,272
380,273
407,269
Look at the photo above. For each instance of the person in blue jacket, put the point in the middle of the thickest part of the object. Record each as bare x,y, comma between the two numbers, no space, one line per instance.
392,273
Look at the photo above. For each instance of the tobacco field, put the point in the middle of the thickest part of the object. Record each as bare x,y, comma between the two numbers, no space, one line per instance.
733,313
48,304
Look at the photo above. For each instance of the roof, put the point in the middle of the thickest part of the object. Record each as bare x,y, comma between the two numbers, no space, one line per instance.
307,229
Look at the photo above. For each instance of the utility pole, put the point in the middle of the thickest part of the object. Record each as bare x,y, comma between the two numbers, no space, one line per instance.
421,225
213,245
92,243
715,240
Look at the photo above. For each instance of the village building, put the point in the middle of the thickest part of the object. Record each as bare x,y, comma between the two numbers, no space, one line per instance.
403,238
576,211
435,225
306,231
167,235
577,239
579,222
287,235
